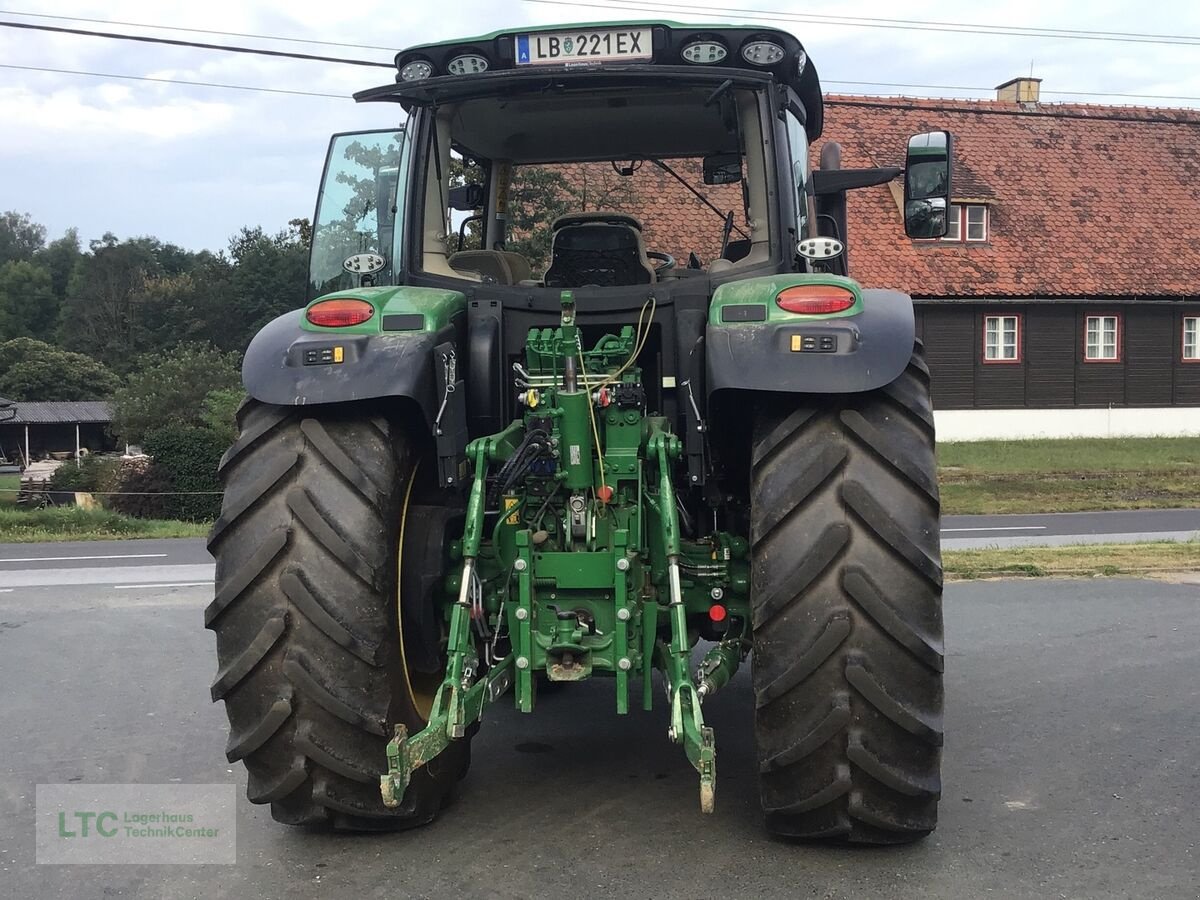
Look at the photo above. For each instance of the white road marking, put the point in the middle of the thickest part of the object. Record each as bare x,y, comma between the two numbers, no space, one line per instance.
1000,528
129,587
64,558
6,590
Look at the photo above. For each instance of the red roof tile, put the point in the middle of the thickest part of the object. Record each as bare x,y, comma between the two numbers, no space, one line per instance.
1085,200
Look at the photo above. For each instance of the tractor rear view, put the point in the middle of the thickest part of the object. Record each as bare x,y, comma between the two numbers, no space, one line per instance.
515,439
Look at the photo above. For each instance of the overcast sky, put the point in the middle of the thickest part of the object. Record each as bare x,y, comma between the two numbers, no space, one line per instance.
191,165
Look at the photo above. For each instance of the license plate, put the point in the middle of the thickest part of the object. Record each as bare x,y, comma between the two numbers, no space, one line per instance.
604,45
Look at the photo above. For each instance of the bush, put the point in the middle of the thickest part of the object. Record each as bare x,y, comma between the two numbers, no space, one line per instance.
142,490
188,457
97,473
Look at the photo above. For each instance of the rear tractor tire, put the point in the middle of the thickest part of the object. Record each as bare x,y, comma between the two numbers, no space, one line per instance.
312,661
847,613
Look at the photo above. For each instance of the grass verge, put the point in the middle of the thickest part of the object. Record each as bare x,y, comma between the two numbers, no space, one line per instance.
1070,475
70,523
9,485
1077,560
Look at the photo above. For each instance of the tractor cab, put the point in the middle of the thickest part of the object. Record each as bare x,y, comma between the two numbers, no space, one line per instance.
530,162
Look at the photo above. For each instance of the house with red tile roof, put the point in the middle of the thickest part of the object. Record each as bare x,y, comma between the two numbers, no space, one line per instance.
1067,292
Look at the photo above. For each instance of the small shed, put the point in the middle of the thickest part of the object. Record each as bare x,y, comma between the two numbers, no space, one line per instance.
34,430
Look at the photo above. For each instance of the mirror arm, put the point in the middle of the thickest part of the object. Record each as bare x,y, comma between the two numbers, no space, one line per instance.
837,180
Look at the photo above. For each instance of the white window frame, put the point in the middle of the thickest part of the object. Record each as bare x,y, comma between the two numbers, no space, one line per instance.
959,224
1007,331
982,224
954,217
1097,351
1191,339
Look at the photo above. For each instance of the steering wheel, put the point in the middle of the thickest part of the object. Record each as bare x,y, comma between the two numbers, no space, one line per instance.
667,261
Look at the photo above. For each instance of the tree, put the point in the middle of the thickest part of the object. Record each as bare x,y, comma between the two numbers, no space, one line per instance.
268,278
537,195
59,258
219,413
33,370
111,308
172,388
28,307
99,316
20,236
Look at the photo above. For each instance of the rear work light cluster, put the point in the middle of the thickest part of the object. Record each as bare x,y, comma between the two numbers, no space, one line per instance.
815,299
339,313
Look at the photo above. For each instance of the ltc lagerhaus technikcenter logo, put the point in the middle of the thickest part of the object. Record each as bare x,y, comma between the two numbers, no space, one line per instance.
167,824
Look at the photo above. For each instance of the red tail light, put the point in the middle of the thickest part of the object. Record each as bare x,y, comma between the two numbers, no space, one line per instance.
815,299
340,313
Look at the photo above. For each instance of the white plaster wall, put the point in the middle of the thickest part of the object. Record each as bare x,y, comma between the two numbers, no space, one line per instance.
1014,424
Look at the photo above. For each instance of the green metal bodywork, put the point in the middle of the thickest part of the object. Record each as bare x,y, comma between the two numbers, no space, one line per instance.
435,305
583,569
762,291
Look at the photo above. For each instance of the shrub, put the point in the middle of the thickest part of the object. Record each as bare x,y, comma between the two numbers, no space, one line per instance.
188,456
141,487
97,473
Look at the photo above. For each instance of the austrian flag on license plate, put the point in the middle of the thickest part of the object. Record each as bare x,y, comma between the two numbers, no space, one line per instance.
604,45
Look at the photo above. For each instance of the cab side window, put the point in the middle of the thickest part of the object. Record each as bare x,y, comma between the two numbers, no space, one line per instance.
798,150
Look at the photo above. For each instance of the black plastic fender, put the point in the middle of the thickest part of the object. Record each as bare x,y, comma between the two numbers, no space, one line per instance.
373,365
869,350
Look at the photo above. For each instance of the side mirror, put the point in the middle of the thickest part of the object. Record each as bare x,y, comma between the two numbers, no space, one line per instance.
927,172
723,168
466,197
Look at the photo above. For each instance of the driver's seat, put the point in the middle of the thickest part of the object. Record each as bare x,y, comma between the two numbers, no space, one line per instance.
604,249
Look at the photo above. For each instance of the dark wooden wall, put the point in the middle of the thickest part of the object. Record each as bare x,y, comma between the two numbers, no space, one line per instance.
1052,372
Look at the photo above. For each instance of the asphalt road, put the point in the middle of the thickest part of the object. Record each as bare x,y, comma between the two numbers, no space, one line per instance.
151,564
1070,770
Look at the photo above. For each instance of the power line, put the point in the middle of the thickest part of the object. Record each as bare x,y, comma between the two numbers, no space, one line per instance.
308,57
869,103
209,84
266,90
893,24
863,21
227,48
956,87
239,34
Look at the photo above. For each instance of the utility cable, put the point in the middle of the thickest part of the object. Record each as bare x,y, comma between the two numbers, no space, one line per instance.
209,84
989,111
237,34
892,24
225,48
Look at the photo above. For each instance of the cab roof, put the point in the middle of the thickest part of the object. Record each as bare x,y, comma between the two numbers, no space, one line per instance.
663,59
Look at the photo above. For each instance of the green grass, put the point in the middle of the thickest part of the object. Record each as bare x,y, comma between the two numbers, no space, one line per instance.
70,523
1079,560
9,485
1069,475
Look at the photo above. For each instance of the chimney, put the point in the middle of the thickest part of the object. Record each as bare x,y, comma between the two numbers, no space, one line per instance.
1019,90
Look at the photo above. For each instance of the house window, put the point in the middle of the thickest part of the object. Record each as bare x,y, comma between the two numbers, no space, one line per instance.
954,223
1001,339
1102,340
967,222
1191,338
976,222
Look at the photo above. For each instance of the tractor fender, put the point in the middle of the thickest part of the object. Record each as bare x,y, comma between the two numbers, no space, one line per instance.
287,365
846,354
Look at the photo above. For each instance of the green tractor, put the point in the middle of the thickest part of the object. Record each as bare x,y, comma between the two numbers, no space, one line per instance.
506,446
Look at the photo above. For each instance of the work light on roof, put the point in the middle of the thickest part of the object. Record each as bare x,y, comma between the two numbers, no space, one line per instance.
467,64
416,70
704,52
762,53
